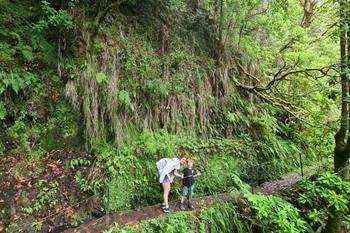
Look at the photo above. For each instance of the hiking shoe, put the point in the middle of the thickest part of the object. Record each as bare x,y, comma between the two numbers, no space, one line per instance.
166,210
190,205
182,207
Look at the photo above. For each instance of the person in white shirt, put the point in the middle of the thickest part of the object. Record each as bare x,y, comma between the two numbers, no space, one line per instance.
167,168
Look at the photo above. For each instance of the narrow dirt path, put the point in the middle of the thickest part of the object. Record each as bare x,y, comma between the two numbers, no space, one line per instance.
132,217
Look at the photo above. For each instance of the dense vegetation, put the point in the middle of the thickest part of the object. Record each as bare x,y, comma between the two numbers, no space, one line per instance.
312,201
93,93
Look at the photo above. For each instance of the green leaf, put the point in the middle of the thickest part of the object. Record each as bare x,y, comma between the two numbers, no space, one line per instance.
15,86
27,53
55,78
2,88
124,97
101,77
2,111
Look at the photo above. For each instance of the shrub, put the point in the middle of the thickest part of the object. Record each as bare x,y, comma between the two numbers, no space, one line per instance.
320,196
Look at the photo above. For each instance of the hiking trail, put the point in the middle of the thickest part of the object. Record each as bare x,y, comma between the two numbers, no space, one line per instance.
133,217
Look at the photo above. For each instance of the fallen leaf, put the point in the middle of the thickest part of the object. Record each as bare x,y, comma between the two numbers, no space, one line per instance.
13,160
69,211
39,223
132,223
17,197
23,180
58,209
65,194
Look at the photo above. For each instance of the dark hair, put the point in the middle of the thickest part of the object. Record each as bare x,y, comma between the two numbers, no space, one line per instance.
182,156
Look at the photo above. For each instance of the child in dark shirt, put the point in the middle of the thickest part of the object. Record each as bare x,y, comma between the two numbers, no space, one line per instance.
188,184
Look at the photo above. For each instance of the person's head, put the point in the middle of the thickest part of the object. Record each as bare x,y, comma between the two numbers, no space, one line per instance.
182,159
189,163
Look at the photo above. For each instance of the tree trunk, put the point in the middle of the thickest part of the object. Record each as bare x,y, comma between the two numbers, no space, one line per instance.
342,137
342,145
334,223
309,11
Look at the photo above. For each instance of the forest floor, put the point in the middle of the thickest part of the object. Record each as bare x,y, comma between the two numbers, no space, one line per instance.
43,189
133,217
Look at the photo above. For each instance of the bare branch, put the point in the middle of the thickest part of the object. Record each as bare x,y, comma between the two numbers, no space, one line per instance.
247,73
279,76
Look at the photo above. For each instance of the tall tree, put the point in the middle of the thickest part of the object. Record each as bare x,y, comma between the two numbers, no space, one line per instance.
342,137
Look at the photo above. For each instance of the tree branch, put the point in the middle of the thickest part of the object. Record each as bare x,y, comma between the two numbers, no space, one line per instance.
283,73
247,73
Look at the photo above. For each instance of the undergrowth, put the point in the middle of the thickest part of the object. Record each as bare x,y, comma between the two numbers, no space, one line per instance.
133,166
305,211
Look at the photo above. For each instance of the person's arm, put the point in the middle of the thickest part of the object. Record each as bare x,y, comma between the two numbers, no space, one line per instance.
176,173
197,174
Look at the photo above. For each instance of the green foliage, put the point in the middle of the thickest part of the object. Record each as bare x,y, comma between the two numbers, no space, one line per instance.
17,81
125,100
136,175
178,222
151,80
347,221
221,161
73,163
75,219
87,185
276,214
222,217
53,18
322,195
24,69
46,198
2,148
157,88
2,111
316,217
101,77
262,213
62,127
157,144
20,134
218,174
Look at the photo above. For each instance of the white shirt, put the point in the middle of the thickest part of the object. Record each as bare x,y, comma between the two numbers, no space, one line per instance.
166,166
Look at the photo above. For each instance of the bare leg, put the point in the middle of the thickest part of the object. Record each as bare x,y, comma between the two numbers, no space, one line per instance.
182,199
189,198
190,204
182,203
166,190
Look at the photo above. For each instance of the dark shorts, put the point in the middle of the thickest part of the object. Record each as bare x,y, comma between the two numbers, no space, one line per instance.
166,179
